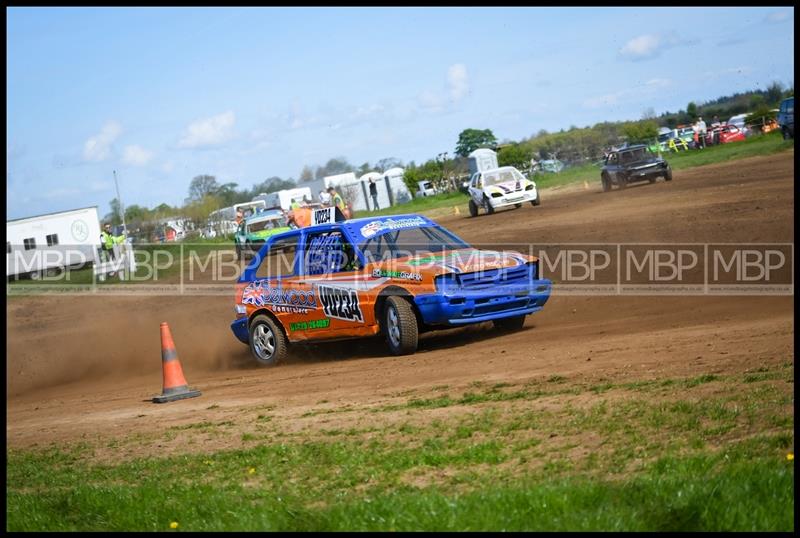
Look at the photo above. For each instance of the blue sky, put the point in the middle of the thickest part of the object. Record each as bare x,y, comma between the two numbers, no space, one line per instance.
162,95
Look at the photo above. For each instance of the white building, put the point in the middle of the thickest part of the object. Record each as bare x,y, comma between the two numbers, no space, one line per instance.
482,159
283,199
44,243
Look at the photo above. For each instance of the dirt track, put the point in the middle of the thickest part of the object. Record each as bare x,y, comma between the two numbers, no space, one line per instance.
81,367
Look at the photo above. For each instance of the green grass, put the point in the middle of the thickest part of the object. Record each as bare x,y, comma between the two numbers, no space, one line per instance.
627,459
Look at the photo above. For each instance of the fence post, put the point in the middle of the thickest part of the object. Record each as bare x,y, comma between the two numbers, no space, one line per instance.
389,190
366,199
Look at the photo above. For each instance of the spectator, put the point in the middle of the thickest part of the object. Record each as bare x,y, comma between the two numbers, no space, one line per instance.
373,192
700,129
295,204
338,201
324,198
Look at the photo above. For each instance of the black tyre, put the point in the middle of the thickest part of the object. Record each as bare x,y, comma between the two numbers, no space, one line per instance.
622,182
652,179
473,209
267,341
487,205
509,324
400,326
606,182
518,205
668,175
538,200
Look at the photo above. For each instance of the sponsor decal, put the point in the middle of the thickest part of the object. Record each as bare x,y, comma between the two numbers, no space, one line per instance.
310,325
374,227
402,275
290,301
340,303
80,230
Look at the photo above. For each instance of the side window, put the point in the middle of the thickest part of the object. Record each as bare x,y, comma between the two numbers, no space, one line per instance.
52,240
8,246
327,253
29,243
279,260
375,249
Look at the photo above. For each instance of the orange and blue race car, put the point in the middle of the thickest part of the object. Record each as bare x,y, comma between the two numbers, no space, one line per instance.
395,276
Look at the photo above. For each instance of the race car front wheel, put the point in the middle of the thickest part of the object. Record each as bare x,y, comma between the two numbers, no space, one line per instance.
473,209
400,326
487,205
267,341
537,201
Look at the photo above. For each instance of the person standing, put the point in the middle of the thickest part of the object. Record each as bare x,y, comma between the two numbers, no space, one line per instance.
107,242
324,198
338,201
373,192
701,132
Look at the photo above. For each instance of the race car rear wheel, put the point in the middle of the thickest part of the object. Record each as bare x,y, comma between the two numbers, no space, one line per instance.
400,326
487,205
267,341
473,209
509,324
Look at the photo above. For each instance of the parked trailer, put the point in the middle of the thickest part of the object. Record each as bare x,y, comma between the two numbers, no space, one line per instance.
283,199
47,243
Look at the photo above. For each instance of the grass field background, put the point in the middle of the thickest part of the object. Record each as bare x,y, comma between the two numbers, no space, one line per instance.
711,452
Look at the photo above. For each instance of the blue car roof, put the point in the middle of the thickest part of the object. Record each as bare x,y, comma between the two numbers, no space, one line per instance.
363,229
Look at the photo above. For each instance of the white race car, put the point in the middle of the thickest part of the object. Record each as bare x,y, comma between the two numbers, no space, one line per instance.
500,187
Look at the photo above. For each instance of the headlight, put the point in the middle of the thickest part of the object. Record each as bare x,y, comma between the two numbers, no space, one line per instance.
496,195
533,270
446,283
240,309
529,187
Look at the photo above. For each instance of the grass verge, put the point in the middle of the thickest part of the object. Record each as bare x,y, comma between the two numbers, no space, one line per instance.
709,452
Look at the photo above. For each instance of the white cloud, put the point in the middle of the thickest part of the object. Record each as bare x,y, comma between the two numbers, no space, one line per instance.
658,82
603,100
168,167
136,155
648,46
778,16
99,186
430,100
457,81
60,193
643,46
98,147
207,132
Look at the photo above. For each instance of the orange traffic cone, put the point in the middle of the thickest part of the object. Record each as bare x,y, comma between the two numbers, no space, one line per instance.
175,387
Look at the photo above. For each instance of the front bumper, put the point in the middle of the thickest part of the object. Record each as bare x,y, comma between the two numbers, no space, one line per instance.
474,306
646,173
239,328
513,198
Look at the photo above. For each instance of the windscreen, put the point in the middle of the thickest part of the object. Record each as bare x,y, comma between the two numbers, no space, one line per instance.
501,176
634,155
410,242
271,224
